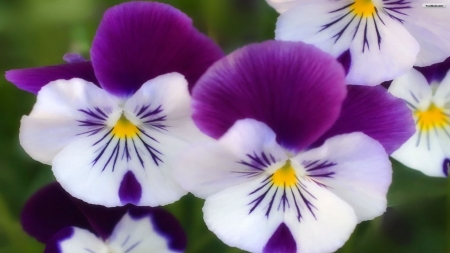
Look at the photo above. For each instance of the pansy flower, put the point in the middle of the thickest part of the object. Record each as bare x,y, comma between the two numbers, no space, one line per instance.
426,91
376,40
110,127
68,225
300,157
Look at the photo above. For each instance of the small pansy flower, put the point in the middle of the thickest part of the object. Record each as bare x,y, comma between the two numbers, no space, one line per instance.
300,157
68,225
427,93
376,40
111,127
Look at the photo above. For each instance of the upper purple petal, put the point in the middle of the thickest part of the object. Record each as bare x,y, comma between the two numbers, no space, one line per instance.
435,72
376,113
137,41
165,224
48,211
295,88
33,79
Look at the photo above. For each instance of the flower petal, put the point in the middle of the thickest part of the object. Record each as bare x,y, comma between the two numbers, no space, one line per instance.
48,211
374,39
435,72
294,88
376,113
75,240
428,25
137,41
359,174
64,112
33,79
308,213
283,5
137,231
242,153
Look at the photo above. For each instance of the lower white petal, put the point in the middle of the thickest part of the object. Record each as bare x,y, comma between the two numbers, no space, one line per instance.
248,215
65,111
82,240
137,235
360,173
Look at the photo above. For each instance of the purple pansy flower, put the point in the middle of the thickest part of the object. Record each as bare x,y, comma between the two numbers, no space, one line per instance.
111,127
427,94
376,40
300,159
68,225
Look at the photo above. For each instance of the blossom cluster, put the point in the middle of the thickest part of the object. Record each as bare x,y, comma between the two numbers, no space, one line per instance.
287,140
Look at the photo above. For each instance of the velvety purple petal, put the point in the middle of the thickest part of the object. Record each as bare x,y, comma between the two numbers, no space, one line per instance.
130,191
281,241
345,59
435,72
137,41
33,79
165,224
73,58
53,245
295,88
101,219
48,211
375,112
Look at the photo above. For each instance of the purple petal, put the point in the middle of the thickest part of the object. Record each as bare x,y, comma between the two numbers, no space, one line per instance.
435,72
73,58
165,224
281,241
33,79
446,166
137,41
53,245
345,59
130,190
375,112
294,88
48,211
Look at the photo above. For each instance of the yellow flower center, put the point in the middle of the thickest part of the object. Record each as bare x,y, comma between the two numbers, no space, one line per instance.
364,8
433,117
124,128
285,176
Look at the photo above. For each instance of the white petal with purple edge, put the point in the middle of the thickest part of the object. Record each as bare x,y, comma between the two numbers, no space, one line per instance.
371,36
65,111
247,216
83,241
243,153
137,235
355,168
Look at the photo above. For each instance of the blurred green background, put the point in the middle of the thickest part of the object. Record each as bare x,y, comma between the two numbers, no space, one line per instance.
39,32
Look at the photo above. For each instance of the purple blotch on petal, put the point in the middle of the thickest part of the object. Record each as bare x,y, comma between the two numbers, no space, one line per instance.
165,224
345,59
54,244
294,88
376,113
435,72
130,190
48,211
33,79
138,41
281,241
446,166
73,58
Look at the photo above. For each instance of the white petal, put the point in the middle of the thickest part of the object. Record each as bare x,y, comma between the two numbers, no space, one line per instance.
412,88
55,119
82,241
137,235
359,174
430,28
283,5
377,42
442,95
235,217
214,166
